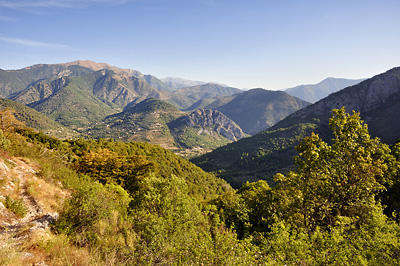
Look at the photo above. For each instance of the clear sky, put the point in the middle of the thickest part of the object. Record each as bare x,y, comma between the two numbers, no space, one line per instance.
272,44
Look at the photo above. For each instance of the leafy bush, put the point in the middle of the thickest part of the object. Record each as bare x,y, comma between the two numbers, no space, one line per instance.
4,142
16,206
96,216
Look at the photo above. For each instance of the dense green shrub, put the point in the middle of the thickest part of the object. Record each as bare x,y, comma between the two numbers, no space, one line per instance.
17,206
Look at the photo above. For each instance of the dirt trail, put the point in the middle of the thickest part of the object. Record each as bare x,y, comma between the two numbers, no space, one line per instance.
14,231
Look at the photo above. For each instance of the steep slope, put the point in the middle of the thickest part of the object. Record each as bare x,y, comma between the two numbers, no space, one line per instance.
122,89
40,90
208,118
271,151
73,106
77,101
315,92
258,109
36,120
377,100
13,81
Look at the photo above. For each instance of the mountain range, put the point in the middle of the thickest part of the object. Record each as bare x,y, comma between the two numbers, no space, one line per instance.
99,100
271,151
84,95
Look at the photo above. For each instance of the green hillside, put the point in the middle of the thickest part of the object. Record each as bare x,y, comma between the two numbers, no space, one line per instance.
145,121
258,157
78,101
36,120
74,104
161,123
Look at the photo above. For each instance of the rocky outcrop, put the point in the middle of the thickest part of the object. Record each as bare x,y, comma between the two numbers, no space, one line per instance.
215,120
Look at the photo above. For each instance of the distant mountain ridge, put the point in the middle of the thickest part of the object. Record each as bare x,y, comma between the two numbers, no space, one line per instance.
188,96
315,92
99,66
178,83
96,99
258,109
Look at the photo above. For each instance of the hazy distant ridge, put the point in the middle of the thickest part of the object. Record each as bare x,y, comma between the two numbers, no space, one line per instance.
315,92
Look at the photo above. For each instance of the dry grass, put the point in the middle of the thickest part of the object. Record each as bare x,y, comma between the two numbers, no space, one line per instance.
10,252
45,247
9,189
54,250
48,195
20,180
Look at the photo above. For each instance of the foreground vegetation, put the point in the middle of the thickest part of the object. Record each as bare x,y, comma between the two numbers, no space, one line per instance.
138,204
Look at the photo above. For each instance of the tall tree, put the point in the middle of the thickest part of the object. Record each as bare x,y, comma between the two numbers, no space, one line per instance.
337,180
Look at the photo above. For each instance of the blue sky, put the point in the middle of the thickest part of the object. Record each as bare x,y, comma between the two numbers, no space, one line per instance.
272,44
